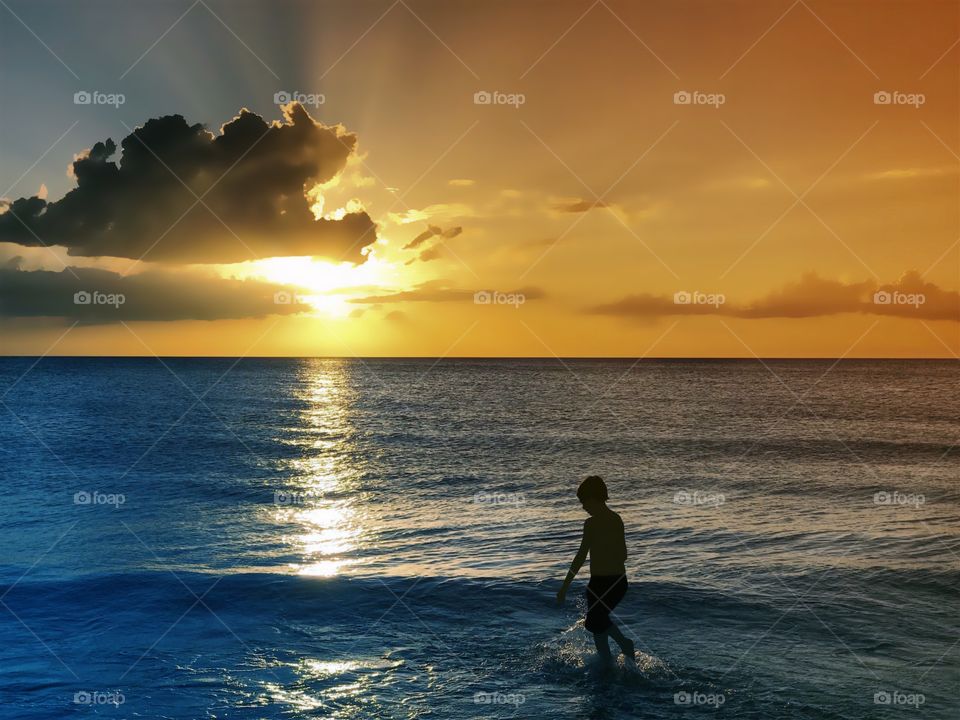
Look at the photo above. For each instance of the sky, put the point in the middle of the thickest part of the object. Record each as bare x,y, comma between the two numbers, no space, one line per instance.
480,178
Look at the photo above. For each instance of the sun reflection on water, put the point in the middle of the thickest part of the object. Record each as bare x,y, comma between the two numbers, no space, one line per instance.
322,504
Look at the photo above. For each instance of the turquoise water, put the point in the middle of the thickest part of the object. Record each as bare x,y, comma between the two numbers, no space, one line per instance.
212,538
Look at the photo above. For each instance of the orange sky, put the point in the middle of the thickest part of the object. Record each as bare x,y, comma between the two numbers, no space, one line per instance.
595,207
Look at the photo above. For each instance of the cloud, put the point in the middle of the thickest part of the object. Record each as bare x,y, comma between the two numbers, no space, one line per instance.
151,295
431,253
438,211
432,231
577,205
461,182
436,291
252,179
397,316
435,252
910,173
812,296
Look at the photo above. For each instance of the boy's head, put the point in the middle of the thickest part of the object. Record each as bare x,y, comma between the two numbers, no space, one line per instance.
592,492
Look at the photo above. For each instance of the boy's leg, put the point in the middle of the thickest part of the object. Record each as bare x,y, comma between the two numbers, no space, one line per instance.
626,645
603,648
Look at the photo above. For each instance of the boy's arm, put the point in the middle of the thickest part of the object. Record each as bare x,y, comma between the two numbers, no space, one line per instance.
577,563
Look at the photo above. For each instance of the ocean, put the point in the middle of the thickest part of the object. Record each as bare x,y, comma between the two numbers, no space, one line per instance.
347,538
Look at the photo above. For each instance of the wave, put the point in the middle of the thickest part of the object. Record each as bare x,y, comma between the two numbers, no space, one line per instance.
454,597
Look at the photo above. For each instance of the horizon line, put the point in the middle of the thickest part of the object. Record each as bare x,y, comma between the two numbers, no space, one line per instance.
439,358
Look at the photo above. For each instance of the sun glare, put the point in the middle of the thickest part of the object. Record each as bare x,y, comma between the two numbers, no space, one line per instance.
326,286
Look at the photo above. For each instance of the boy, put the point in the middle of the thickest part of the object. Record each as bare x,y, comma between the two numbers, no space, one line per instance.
603,539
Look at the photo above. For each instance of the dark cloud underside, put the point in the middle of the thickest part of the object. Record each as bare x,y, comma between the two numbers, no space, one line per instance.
251,178
152,295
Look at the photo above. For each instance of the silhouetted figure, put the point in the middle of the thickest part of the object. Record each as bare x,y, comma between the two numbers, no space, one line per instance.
603,539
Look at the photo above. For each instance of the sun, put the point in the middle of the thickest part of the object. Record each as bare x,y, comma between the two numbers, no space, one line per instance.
326,286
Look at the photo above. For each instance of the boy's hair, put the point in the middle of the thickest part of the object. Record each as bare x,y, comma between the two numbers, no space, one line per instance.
593,488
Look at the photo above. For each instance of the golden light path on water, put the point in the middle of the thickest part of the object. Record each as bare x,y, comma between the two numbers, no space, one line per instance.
325,527
321,504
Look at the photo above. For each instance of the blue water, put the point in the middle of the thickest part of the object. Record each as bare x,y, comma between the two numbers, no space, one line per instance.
213,538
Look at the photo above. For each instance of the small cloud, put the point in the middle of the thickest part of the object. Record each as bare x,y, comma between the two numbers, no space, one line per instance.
811,296
397,316
912,173
431,253
461,182
440,211
433,231
577,205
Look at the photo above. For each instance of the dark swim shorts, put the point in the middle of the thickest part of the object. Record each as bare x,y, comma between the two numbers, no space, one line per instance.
604,592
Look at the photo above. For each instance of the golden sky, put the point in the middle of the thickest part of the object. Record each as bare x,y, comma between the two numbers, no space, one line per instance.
704,179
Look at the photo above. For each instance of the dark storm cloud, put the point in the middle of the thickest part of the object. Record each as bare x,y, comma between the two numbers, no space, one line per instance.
812,296
251,177
96,296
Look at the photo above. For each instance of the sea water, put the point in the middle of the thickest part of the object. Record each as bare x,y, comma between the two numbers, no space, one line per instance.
283,538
